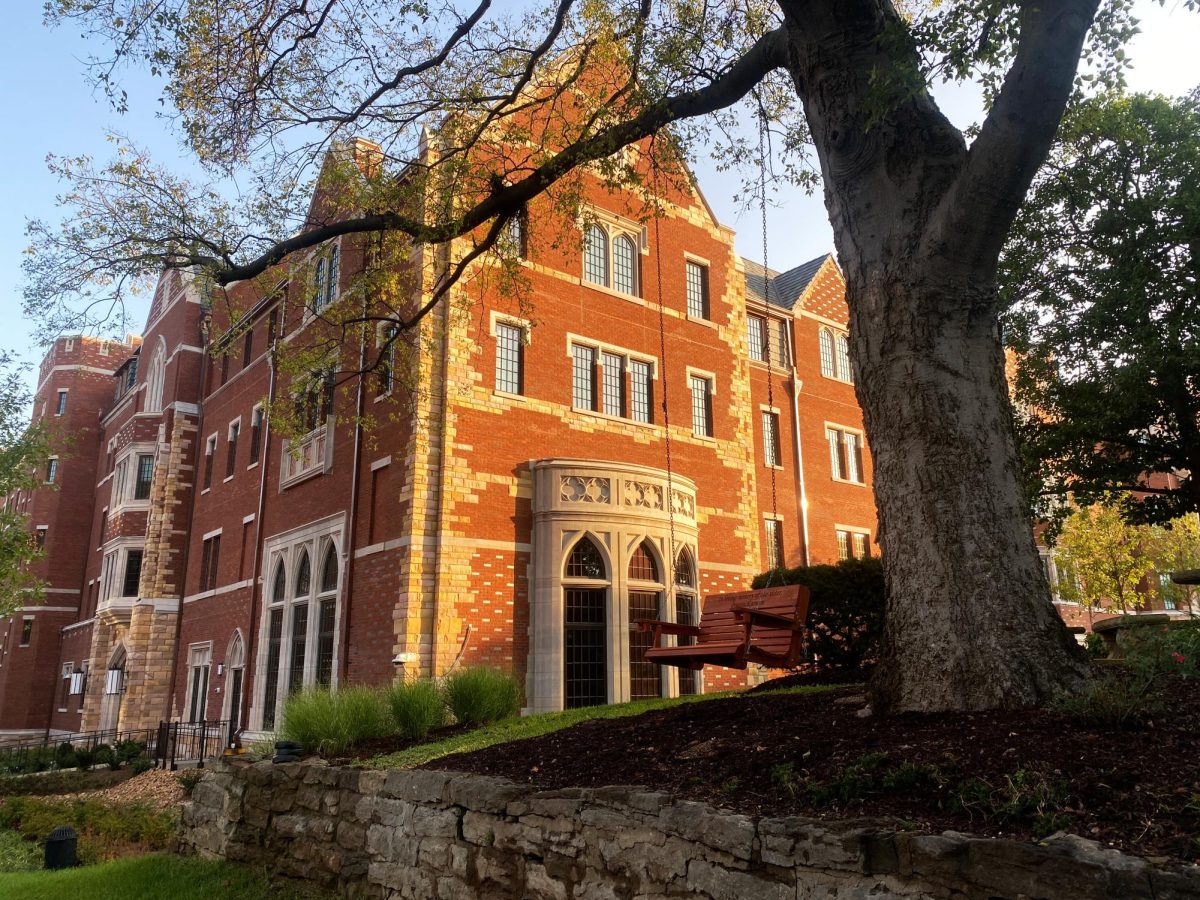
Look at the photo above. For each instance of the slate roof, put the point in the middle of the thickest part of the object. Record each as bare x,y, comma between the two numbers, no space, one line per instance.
786,287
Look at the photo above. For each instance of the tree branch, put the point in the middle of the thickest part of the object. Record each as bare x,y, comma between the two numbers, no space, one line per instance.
768,53
976,213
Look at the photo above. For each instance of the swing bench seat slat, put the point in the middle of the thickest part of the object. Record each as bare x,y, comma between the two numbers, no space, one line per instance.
765,626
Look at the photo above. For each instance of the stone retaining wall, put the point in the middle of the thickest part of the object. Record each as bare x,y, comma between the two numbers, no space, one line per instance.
427,834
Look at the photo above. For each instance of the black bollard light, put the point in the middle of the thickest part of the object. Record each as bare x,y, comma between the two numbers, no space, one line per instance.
60,848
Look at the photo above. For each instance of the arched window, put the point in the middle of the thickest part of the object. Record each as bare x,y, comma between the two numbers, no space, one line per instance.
274,648
585,650
335,260
235,670
827,363
843,358
156,378
595,255
645,602
586,561
303,575
624,265
235,651
327,615
686,612
641,565
319,282
329,570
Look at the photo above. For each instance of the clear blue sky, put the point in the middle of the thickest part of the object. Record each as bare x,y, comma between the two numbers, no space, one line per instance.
51,109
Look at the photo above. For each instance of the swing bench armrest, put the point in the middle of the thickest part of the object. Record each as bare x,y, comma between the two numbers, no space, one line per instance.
644,625
759,617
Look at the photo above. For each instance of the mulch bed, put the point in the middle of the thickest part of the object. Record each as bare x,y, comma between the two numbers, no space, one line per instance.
1017,774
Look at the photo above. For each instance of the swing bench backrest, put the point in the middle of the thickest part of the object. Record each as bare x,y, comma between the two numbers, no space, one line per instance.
765,626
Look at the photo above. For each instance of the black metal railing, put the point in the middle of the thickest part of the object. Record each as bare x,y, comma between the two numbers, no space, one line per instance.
168,745
178,742
58,750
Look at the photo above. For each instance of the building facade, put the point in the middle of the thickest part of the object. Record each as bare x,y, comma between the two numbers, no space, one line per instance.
530,473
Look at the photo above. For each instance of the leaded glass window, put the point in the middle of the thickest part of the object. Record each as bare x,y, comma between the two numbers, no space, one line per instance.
595,255
624,265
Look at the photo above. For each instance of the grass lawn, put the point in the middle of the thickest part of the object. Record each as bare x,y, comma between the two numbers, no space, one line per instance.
537,725
150,878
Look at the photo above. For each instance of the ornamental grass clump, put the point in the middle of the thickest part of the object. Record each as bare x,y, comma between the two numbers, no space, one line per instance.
481,695
329,722
417,708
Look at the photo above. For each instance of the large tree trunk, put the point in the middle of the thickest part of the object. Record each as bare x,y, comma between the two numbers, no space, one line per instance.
969,620
919,222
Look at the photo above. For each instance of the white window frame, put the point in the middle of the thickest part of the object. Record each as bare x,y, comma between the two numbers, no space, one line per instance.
706,287
52,469
711,378
852,467
208,463
60,402
199,657
124,484
231,470
260,412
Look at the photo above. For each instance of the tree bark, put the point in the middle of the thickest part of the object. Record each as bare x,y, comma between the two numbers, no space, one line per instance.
919,221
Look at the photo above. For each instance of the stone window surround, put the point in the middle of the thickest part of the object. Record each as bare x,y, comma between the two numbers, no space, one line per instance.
617,522
111,607
125,479
613,225
828,426
525,326
199,655
235,658
852,530
285,547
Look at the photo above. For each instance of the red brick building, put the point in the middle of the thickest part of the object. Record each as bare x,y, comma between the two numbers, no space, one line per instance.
506,500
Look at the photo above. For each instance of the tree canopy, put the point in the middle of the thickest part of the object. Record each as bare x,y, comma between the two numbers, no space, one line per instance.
1102,271
23,453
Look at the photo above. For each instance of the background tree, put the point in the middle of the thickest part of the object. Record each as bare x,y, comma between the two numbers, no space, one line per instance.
1102,559
919,217
1102,269
1176,546
23,452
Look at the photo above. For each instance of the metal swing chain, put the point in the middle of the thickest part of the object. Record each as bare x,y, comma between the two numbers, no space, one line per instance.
662,355
776,570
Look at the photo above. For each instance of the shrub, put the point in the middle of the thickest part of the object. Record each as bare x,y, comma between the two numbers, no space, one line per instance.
1136,690
99,823
128,751
417,708
328,722
85,759
481,695
141,764
64,756
1095,646
845,610
189,779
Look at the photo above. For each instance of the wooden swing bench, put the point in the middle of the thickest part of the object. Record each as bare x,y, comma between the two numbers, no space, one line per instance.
765,626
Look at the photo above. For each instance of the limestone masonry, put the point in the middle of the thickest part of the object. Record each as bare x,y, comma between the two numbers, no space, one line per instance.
428,834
